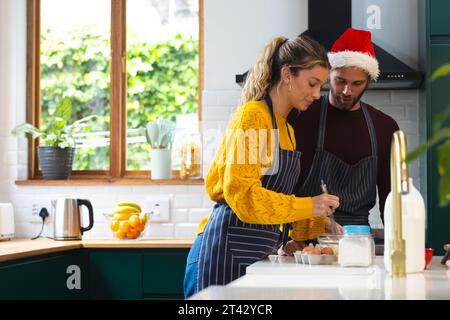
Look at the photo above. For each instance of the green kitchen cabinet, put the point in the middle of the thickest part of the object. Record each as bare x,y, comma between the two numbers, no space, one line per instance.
439,220
164,273
437,94
137,273
439,17
51,276
115,274
96,274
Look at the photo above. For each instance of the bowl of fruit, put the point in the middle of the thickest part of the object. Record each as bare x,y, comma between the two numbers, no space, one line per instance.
127,221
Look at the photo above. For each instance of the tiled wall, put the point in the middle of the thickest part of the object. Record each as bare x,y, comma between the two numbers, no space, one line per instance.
189,203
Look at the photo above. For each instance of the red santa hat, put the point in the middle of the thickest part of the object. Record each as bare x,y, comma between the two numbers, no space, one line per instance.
354,48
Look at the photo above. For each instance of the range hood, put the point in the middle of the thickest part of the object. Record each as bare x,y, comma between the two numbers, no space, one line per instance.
328,19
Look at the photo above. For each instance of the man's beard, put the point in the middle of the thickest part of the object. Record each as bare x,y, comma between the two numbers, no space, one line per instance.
349,106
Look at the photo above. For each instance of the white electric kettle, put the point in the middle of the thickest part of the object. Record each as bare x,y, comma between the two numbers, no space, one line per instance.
6,221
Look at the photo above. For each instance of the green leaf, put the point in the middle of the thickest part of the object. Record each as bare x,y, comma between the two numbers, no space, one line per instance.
60,122
26,128
440,72
64,110
444,172
440,118
438,137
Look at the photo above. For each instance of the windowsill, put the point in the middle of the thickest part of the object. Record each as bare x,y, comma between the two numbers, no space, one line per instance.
108,181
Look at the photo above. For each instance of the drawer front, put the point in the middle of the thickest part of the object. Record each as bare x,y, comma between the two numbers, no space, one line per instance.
115,275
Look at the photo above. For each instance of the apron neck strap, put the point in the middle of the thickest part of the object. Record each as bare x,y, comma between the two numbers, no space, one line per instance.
269,103
323,123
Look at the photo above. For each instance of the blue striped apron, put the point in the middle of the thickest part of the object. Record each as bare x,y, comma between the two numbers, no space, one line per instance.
229,245
355,185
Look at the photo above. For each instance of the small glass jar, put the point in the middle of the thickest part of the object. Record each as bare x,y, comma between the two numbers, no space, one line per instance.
191,156
356,247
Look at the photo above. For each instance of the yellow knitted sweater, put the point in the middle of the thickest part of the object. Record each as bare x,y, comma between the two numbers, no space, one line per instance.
237,179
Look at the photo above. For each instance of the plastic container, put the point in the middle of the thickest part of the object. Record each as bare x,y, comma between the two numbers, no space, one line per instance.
356,247
413,230
298,257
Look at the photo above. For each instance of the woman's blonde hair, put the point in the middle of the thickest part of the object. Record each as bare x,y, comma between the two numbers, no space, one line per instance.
297,53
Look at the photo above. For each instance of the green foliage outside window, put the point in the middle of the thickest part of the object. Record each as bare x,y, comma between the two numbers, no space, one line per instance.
162,82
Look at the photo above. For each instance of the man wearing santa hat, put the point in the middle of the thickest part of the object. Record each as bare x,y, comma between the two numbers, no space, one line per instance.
344,141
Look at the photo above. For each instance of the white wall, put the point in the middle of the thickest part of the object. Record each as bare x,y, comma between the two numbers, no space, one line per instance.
235,32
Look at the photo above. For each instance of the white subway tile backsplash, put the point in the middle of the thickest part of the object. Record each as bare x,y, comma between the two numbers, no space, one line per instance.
412,112
207,202
377,97
187,201
209,98
197,215
179,215
173,189
216,113
409,127
160,230
185,230
198,189
228,98
405,96
395,111
146,190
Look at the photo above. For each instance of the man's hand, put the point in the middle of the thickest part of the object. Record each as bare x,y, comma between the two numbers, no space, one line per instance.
328,227
290,247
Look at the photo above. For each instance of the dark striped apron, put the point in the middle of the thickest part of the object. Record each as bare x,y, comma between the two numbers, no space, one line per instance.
355,185
230,245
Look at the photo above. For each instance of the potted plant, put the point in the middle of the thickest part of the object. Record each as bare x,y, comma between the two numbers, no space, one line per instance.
57,143
160,134
441,136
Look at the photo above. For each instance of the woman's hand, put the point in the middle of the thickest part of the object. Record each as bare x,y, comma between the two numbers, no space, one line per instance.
324,205
290,247
329,227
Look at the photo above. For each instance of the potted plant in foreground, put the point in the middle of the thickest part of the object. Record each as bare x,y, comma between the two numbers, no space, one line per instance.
160,134
57,143
441,137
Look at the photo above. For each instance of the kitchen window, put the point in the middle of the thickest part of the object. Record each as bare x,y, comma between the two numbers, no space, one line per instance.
128,62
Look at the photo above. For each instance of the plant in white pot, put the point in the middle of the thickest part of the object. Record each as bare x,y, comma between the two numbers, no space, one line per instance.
57,143
160,134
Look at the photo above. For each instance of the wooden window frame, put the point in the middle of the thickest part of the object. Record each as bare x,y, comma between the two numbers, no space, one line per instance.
117,172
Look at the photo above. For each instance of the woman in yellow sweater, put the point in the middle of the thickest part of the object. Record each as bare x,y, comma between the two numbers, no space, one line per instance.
256,168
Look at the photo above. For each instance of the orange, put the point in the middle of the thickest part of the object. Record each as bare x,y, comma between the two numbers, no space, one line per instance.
120,234
132,234
139,227
134,220
124,226
115,225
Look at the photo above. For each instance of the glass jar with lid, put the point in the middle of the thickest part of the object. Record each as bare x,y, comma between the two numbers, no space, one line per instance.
356,247
187,147
191,156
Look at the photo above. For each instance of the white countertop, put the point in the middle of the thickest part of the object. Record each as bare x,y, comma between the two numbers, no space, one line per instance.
287,280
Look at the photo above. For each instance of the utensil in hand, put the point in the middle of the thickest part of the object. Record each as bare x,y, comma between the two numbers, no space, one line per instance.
324,189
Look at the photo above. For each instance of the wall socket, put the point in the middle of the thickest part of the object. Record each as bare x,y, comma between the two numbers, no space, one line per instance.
36,206
160,206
